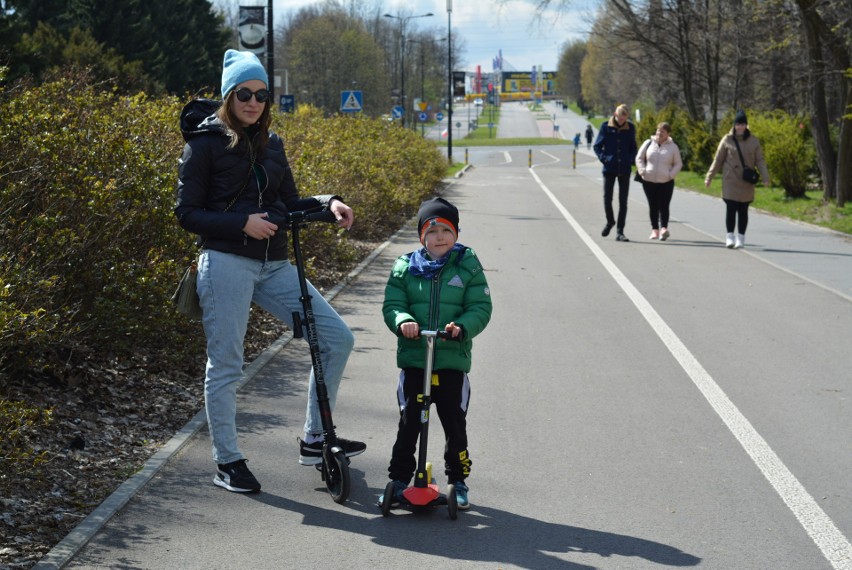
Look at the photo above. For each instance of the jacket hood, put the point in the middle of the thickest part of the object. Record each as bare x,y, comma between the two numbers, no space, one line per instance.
198,117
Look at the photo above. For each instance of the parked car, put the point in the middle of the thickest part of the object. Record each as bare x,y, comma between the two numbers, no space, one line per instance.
477,102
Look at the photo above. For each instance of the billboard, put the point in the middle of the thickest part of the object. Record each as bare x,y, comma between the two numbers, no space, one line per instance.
522,82
252,29
458,84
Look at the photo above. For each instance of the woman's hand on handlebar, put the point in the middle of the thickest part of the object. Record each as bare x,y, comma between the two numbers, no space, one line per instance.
344,214
258,227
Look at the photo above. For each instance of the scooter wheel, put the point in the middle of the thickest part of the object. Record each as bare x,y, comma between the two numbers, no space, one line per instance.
452,502
336,467
387,498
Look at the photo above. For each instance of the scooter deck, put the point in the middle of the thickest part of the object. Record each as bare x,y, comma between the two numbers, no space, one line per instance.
423,496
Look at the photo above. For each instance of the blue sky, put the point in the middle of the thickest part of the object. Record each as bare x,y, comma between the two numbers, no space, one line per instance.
487,26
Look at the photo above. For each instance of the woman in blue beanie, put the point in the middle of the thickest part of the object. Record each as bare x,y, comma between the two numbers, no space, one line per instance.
233,180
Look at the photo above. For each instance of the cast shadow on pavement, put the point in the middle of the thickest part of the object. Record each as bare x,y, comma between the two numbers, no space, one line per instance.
486,534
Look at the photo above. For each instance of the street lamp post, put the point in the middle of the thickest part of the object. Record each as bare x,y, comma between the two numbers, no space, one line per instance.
449,82
403,20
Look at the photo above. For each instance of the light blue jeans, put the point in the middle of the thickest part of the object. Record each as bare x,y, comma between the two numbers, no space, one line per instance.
227,285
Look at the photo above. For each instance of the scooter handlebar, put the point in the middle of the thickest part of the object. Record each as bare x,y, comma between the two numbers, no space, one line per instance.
447,335
321,216
304,217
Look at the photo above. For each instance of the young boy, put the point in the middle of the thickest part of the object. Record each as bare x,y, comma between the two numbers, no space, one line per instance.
440,286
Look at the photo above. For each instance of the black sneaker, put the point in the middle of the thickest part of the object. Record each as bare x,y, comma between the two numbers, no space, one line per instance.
311,454
236,477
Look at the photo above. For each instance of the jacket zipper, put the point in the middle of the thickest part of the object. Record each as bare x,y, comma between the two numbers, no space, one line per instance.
434,301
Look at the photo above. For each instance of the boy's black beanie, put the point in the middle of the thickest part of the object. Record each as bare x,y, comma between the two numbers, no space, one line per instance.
437,208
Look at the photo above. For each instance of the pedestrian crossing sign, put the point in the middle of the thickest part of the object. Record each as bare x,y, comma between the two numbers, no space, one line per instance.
351,101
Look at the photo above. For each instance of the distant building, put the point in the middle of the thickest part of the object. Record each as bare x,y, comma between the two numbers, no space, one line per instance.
522,82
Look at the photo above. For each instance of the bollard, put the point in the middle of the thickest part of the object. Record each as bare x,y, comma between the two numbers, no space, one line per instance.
575,158
529,160
465,156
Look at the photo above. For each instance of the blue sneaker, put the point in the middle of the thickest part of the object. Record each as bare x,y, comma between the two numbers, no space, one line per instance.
398,488
461,495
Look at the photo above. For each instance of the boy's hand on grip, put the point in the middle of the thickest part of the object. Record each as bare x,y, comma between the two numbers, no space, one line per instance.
455,331
409,329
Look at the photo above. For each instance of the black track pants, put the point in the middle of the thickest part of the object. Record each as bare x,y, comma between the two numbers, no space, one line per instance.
450,398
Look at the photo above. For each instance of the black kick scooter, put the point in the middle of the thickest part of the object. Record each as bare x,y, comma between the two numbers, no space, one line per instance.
335,464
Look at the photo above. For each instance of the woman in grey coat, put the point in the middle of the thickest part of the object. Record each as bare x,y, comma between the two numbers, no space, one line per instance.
736,192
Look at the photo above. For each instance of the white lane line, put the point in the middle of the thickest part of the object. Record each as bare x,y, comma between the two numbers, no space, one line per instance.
508,156
555,158
834,546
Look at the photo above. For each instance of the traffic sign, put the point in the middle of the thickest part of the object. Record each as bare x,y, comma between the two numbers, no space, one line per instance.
397,112
351,101
439,116
287,103
423,117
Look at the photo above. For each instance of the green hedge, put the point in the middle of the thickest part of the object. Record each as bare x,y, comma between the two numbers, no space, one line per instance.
90,250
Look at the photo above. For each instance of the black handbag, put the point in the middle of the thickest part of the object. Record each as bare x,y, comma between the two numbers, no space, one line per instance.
185,296
750,175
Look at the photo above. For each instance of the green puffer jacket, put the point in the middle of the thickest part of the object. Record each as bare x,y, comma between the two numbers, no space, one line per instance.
459,294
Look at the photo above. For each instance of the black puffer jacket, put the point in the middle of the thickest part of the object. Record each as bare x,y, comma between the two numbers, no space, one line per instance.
211,176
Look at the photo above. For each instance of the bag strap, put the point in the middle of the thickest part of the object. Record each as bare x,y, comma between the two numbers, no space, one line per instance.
742,161
644,147
645,153
240,193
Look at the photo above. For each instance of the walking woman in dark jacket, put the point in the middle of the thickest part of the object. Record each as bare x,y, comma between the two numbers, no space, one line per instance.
616,149
234,187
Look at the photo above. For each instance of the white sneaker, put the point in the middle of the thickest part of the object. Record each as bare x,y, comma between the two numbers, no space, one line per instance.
729,240
739,242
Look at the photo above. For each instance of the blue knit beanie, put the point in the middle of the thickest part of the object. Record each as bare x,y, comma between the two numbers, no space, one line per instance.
241,66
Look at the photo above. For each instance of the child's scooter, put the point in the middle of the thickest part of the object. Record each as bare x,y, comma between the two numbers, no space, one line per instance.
335,464
424,492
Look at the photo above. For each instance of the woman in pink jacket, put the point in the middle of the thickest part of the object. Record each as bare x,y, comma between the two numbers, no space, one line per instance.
658,162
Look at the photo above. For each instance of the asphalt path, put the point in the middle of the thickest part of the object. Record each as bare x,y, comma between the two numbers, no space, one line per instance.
635,405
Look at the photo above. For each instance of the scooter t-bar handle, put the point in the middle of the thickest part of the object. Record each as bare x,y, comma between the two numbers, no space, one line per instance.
439,334
306,216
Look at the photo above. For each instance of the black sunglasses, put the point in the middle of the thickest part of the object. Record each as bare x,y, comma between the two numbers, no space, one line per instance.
244,95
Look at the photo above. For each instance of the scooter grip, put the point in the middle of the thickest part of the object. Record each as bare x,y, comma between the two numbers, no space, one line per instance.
321,216
303,217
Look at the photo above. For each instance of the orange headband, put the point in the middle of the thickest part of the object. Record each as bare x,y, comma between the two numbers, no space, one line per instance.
434,222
